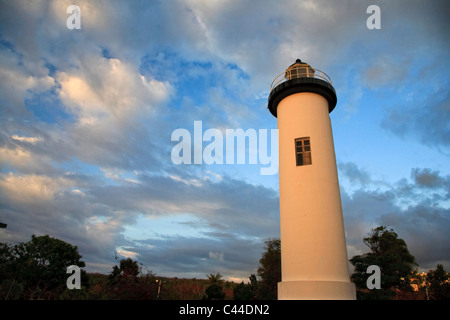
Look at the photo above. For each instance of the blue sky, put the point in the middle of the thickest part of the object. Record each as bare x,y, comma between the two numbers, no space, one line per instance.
86,118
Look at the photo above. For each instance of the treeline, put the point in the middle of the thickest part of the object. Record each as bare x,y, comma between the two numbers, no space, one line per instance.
37,270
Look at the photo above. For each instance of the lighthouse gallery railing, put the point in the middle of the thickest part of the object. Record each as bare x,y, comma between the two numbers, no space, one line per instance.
300,71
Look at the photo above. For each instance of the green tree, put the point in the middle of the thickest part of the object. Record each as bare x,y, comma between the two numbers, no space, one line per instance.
437,282
270,270
391,255
37,269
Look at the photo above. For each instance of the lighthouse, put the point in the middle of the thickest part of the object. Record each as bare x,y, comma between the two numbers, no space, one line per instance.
314,263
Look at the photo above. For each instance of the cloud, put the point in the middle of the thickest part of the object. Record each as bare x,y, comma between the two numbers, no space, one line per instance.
112,103
424,228
16,157
109,92
425,118
420,218
127,254
31,140
190,257
31,188
385,71
17,80
354,174
93,216
430,179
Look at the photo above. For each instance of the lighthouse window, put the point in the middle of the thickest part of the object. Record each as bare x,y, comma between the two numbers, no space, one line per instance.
303,151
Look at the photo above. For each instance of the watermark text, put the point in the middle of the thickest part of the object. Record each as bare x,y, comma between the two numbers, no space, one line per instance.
74,281
373,281
374,21
226,147
74,20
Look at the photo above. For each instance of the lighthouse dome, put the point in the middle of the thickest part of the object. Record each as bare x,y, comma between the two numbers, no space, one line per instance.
299,69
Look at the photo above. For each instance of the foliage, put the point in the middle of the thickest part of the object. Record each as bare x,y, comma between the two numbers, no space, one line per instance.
128,268
437,281
98,284
37,269
182,289
391,254
215,290
270,270
127,282
215,278
246,291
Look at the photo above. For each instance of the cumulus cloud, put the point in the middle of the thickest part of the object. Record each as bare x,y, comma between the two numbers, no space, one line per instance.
109,92
31,188
16,157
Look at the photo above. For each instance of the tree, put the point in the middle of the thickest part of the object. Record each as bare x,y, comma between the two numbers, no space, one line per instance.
246,291
127,268
215,278
438,284
215,290
126,282
11,287
391,255
270,270
37,268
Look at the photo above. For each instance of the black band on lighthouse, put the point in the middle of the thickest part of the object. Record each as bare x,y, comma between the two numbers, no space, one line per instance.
299,85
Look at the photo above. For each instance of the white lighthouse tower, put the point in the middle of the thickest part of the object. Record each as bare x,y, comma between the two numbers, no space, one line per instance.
314,263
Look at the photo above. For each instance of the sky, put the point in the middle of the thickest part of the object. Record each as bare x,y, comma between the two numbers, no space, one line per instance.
87,117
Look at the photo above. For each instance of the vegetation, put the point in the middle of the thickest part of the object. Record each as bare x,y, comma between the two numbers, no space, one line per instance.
37,270
437,285
270,270
391,255
246,291
127,282
215,290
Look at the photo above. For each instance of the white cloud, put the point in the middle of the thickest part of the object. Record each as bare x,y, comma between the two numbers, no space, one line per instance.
17,157
32,188
110,92
127,253
189,182
79,192
31,140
